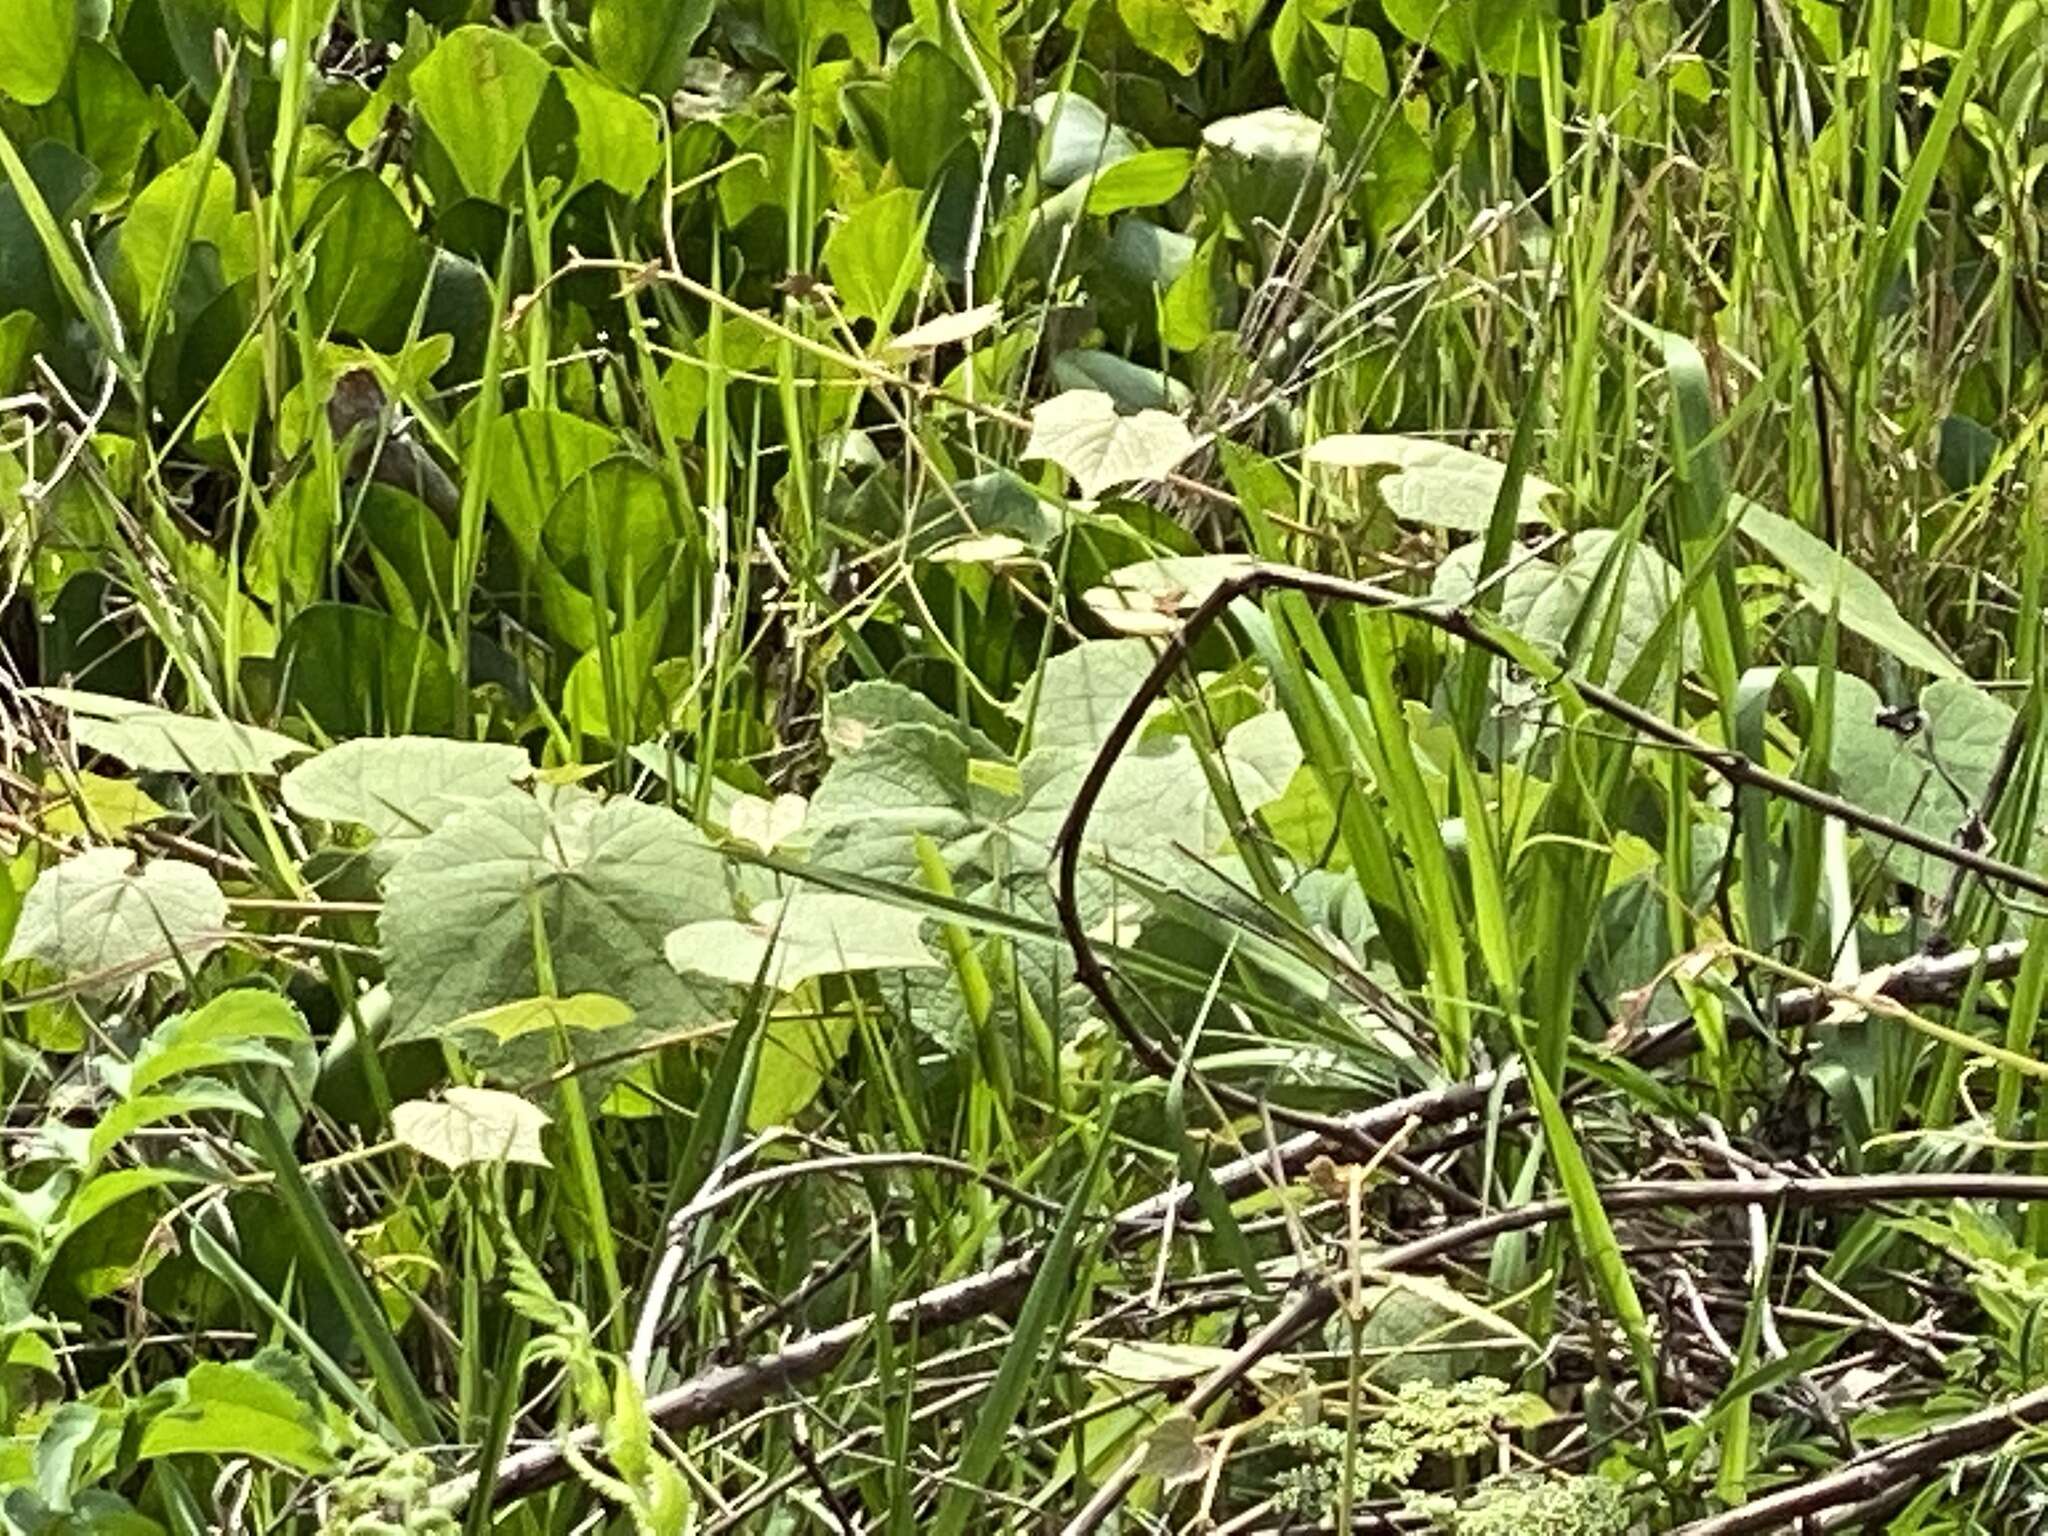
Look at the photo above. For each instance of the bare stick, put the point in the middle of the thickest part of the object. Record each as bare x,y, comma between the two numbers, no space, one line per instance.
1321,1297
1874,1476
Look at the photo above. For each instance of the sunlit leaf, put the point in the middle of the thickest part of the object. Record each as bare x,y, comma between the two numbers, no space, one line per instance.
812,933
1083,433
472,1125
550,1015
1437,484
102,919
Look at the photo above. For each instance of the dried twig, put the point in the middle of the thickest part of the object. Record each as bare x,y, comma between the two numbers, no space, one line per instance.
1320,1299
1873,1477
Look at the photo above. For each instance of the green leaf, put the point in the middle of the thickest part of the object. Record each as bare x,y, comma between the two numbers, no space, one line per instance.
229,1030
1143,181
1272,165
1174,1452
607,544
1932,778
812,933
611,879
1157,812
930,99
904,780
99,915
554,1015
155,242
644,45
401,786
109,117
1079,140
238,1410
478,91
618,142
796,1052
1084,434
369,264
472,1125
357,671
1078,694
1231,20
1827,577
98,807
874,255
1148,597
1436,484
1164,29
35,48
533,455
1132,386
161,741
1545,603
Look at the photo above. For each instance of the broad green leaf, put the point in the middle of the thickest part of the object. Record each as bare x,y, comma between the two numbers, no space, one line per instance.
1174,1452
766,824
930,100
1084,434
1143,181
100,916
1164,29
905,780
796,1053
1231,20
1079,140
611,879
811,933
618,142
1272,165
535,453
1078,694
114,119
606,548
551,1015
231,1029
1931,771
1156,811
872,256
478,91
239,1410
1132,386
148,242
1435,484
472,1125
157,740
644,45
134,1114
368,264
1826,578
855,715
1149,597
36,44
98,807
1544,603
401,786
354,670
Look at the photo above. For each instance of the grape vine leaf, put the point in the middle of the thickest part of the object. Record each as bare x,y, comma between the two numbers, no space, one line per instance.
101,917
608,880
